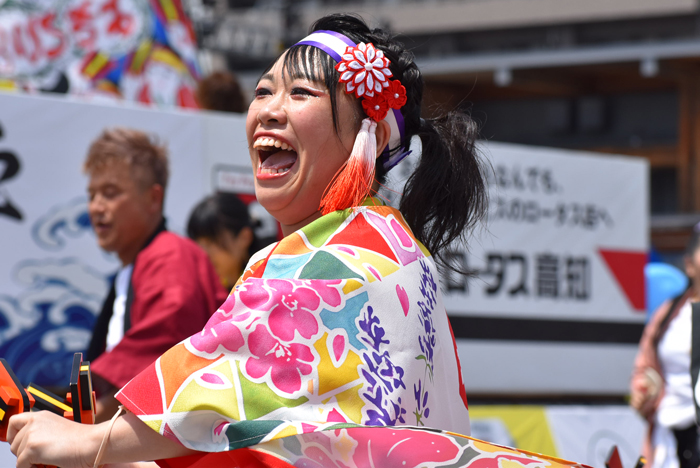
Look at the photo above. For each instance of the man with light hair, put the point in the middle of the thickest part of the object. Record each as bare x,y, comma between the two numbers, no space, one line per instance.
166,288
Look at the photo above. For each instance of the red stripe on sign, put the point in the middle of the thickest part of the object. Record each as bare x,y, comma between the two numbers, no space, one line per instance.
628,269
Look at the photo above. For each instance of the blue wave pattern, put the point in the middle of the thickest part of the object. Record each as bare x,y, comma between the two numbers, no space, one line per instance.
53,315
71,220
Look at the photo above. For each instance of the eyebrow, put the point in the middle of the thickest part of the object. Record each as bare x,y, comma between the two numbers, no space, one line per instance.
267,76
299,75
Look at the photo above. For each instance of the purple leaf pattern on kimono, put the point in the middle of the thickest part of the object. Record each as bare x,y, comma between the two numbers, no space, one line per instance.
381,375
426,341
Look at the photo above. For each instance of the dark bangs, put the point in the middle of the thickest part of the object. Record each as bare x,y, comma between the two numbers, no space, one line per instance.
311,63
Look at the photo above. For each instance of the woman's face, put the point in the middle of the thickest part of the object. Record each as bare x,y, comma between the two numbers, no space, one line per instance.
294,148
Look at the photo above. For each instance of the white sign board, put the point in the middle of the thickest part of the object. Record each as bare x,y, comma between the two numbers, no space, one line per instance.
555,303
566,238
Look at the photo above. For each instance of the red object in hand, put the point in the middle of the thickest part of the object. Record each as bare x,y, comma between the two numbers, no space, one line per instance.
13,398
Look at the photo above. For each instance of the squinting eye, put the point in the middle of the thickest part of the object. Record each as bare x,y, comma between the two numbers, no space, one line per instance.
262,92
302,91
110,193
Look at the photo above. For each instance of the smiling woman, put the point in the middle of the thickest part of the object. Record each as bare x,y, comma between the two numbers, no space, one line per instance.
340,326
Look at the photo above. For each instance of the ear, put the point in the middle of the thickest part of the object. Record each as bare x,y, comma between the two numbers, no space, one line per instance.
383,135
156,196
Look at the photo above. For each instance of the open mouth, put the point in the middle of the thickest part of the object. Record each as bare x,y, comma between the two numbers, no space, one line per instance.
276,157
100,227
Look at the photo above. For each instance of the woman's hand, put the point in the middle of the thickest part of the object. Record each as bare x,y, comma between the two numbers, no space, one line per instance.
44,438
639,397
645,390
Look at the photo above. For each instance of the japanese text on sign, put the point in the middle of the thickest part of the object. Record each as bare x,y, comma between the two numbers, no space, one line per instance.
529,179
539,181
586,216
513,274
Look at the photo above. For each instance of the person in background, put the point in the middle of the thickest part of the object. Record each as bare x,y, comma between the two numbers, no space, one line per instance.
221,91
222,226
165,289
661,385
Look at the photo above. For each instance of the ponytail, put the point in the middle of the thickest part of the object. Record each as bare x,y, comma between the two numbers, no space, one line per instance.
446,196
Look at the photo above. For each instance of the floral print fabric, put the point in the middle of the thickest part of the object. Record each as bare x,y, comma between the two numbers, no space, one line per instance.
342,323
372,447
348,446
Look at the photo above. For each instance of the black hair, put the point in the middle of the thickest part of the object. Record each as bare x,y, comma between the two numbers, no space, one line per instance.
218,213
445,197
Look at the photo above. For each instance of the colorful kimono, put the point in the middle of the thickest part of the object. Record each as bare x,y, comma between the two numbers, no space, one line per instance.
339,327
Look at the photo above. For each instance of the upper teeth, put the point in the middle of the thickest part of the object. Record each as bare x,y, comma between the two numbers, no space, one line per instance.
263,142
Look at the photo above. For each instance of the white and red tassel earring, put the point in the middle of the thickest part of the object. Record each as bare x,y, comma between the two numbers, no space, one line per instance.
353,182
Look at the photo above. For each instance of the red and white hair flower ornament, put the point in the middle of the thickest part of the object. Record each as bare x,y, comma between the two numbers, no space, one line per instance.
395,94
376,107
364,70
392,97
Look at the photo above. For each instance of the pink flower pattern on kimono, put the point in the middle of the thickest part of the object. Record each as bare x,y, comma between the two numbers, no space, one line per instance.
315,457
224,333
318,451
285,362
327,289
228,305
376,447
289,306
396,447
